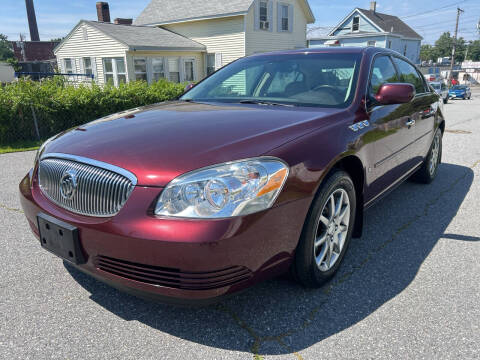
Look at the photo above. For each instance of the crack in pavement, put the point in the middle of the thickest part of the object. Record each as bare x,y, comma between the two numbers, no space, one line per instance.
259,340
5,207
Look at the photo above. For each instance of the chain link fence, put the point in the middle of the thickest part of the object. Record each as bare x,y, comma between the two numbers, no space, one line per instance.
33,111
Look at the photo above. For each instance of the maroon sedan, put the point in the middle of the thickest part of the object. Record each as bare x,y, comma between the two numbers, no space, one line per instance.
265,166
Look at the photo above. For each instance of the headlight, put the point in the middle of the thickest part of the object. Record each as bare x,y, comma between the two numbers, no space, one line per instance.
225,190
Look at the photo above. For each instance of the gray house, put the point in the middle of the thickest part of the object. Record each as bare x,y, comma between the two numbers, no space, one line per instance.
370,28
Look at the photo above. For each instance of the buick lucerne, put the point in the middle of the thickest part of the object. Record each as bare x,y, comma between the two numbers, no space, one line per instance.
264,167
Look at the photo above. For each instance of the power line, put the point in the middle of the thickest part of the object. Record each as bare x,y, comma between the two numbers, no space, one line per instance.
435,10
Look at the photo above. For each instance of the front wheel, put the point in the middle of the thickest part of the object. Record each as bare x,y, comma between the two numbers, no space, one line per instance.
327,231
445,100
429,168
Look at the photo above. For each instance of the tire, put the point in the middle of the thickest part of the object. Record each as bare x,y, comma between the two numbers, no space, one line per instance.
336,233
445,101
428,171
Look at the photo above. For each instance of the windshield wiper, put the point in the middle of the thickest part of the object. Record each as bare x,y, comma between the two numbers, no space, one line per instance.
261,102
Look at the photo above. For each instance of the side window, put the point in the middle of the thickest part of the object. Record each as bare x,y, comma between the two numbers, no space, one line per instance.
383,72
409,74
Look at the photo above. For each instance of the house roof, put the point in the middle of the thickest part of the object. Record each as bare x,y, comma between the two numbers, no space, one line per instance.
390,23
142,37
160,12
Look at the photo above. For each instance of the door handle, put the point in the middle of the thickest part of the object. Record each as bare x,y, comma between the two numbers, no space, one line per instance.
410,122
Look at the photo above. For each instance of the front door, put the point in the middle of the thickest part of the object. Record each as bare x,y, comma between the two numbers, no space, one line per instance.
424,107
392,131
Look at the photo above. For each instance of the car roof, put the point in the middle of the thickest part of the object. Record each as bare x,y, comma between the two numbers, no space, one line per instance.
371,50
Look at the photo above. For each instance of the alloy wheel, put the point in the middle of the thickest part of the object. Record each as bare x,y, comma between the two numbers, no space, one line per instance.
435,154
332,229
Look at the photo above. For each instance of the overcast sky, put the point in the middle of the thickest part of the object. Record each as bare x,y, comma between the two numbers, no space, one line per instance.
428,17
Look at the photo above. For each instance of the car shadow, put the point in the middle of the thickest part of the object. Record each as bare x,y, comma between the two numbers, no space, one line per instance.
278,316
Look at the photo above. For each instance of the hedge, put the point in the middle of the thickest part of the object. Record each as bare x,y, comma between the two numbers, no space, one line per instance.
59,105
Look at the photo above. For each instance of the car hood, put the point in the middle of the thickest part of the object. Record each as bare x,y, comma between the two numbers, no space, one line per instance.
160,142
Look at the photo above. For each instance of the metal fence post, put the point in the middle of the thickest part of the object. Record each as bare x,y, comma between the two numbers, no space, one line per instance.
35,122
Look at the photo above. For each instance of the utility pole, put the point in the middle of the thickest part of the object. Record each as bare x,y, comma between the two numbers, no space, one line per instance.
450,77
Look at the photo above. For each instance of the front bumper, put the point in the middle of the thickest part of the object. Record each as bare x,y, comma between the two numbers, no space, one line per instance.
177,260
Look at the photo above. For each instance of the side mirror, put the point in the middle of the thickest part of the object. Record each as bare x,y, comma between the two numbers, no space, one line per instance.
189,87
395,93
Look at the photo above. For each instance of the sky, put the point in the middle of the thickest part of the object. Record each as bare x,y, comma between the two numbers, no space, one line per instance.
430,18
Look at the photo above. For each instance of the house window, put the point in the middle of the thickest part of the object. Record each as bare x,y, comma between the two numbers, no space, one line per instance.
356,24
68,63
189,71
140,66
114,70
158,69
174,69
371,43
284,19
210,64
87,66
264,23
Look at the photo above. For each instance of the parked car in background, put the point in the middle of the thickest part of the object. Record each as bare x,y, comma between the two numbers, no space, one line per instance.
441,89
460,92
263,167
433,77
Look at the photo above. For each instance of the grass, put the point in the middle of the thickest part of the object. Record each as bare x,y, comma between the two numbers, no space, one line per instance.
20,146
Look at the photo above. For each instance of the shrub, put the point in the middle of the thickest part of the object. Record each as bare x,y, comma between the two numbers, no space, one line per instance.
59,105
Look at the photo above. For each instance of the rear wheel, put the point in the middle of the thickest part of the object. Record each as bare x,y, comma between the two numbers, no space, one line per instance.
429,168
327,231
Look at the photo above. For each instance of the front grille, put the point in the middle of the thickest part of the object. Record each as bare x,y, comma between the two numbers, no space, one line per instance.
173,278
91,189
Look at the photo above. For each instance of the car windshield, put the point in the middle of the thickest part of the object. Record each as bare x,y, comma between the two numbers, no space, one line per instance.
436,86
326,80
458,87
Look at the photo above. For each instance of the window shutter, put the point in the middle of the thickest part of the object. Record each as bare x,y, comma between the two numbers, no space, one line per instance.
279,17
290,18
60,65
77,68
256,14
218,61
270,15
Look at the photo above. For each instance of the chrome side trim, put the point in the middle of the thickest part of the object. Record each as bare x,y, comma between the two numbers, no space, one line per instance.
100,164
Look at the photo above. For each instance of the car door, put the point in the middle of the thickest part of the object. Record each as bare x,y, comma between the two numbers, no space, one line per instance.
392,130
423,110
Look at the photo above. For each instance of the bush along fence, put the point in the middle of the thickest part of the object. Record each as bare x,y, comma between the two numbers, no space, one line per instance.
32,111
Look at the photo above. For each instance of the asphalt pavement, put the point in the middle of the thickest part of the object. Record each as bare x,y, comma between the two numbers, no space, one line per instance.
408,289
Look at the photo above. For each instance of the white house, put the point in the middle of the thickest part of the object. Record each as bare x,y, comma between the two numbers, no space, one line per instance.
183,40
363,27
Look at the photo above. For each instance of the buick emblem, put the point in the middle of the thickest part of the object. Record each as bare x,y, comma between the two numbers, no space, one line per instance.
68,184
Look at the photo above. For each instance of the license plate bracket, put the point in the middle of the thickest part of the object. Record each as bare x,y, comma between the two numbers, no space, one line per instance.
60,239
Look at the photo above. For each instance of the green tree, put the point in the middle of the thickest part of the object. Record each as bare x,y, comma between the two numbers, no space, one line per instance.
6,51
444,46
428,52
474,50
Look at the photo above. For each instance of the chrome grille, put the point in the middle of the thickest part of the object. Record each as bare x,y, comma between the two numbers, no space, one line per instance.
100,189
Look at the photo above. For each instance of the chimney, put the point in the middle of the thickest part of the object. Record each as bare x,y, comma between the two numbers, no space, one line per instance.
120,21
103,12
373,6
32,21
